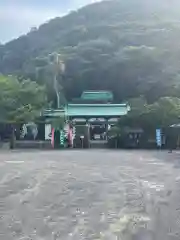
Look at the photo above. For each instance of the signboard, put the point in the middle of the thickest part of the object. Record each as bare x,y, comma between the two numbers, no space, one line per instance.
97,137
158,137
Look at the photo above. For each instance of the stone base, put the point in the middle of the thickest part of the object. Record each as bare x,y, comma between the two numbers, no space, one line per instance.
33,145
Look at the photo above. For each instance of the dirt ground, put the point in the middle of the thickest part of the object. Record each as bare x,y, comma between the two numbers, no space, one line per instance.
89,194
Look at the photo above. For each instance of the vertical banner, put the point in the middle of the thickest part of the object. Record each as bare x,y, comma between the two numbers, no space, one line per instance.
158,137
70,137
48,132
52,137
62,138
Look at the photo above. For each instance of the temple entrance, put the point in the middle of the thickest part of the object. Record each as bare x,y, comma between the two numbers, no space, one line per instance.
98,132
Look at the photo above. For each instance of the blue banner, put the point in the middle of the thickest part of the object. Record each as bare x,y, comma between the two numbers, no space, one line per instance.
158,137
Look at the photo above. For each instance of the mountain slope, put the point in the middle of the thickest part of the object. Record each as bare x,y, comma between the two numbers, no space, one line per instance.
130,47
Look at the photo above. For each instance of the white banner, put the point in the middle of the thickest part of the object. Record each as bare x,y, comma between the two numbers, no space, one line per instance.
48,132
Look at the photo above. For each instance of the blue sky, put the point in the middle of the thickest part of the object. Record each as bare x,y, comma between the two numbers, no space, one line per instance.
19,16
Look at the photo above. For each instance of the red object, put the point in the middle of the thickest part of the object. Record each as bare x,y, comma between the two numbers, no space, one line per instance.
70,136
52,138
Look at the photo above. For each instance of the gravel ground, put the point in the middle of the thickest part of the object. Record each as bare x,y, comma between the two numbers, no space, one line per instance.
90,194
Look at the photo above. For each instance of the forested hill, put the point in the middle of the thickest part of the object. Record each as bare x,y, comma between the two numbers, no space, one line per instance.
128,46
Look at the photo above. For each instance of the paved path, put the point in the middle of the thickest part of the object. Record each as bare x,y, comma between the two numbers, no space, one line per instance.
96,194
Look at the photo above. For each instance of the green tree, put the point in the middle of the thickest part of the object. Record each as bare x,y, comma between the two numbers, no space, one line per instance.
20,101
124,47
135,117
162,113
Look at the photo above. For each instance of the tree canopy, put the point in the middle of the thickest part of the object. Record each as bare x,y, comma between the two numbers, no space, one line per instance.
129,47
20,101
162,113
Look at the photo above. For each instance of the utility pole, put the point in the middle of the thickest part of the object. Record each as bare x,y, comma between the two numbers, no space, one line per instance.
56,61
58,67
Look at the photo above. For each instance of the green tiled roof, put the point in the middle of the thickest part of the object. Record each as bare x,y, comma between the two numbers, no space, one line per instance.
97,95
54,112
90,110
94,110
